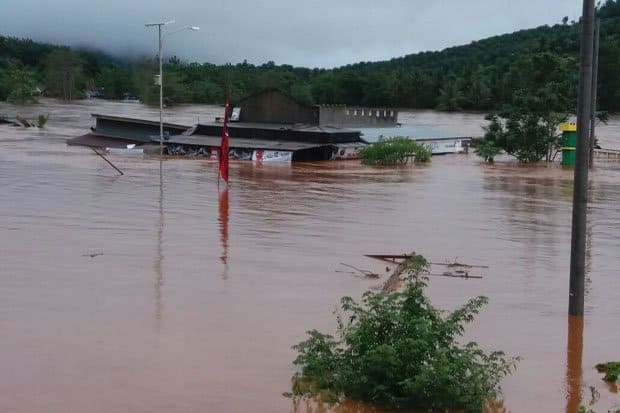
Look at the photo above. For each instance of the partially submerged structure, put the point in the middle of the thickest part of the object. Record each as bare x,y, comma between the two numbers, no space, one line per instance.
117,132
273,106
266,126
357,117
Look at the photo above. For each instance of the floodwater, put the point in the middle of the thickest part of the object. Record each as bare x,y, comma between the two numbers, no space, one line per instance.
157,293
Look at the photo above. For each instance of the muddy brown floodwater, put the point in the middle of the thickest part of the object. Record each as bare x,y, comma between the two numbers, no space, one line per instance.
192,299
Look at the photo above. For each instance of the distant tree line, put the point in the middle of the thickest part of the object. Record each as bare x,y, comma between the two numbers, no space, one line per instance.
486,75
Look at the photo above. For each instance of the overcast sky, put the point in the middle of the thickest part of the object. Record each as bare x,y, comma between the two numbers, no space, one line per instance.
312,33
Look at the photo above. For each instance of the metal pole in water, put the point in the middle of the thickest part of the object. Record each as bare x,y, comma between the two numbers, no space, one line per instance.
107,160
580,191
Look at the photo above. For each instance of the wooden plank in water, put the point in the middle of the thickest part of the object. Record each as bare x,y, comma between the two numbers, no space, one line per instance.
458,264
394,257
389,257
394,282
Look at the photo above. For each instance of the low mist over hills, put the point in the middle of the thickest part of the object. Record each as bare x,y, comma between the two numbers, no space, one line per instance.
482,75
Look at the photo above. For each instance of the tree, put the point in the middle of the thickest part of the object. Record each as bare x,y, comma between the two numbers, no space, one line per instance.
401,352
326,90
609,76
302,93
64,74
481,75
206,91
487,150
523,135
394,151
400,86
376,90
352,86
175,89
277,79
450,97
22,86
114,80
527,127
476,92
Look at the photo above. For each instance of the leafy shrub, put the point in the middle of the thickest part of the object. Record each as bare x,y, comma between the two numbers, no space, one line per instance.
42,120
399,351
487,150
393,151
611,370
528,137
20,85
584,409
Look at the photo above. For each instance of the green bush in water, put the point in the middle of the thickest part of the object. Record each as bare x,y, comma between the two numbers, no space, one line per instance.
584,409
393,151
399,351
611,370
42,120
487,150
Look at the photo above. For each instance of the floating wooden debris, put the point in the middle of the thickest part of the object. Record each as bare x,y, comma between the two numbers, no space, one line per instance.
390,258
398,257
92,254
365,273
456,274
394,282
455,269
5,121
458,264
24,122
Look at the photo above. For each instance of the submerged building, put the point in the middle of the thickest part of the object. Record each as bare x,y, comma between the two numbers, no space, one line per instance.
268,125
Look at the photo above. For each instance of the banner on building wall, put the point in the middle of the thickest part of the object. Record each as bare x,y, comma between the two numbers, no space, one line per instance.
261,155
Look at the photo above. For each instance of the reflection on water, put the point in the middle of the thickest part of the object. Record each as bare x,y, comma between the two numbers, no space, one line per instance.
159,256
77,333
574,368
223,222
315,405
309,405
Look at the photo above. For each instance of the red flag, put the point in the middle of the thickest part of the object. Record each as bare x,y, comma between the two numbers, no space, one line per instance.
224,147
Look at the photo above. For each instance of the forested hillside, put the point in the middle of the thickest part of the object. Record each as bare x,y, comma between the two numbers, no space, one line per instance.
483,75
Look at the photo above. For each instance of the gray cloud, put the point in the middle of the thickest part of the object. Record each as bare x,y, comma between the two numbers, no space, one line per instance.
314,33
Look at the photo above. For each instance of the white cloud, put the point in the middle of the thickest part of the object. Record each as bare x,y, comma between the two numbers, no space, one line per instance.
304,33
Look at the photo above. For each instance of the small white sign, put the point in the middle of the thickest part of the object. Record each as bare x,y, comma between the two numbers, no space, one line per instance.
347,151
260,155
236,113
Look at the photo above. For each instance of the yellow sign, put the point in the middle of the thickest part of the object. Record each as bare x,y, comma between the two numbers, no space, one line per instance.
568,127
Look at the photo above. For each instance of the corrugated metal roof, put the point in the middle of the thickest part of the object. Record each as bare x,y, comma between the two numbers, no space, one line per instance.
241,143
283,126
138,121
99,141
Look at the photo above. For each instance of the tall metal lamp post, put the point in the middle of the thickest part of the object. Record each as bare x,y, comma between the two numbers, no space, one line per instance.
160,79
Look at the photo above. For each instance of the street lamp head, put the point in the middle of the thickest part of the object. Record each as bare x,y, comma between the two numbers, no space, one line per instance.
182,29
159,23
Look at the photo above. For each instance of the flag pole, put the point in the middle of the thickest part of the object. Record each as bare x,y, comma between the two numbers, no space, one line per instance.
224,147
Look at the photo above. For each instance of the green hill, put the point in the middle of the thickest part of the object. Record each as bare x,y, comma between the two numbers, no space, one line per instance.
482,75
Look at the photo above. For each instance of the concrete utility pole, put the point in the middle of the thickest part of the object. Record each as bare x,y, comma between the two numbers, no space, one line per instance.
597,36
580,190
160,79
161,96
